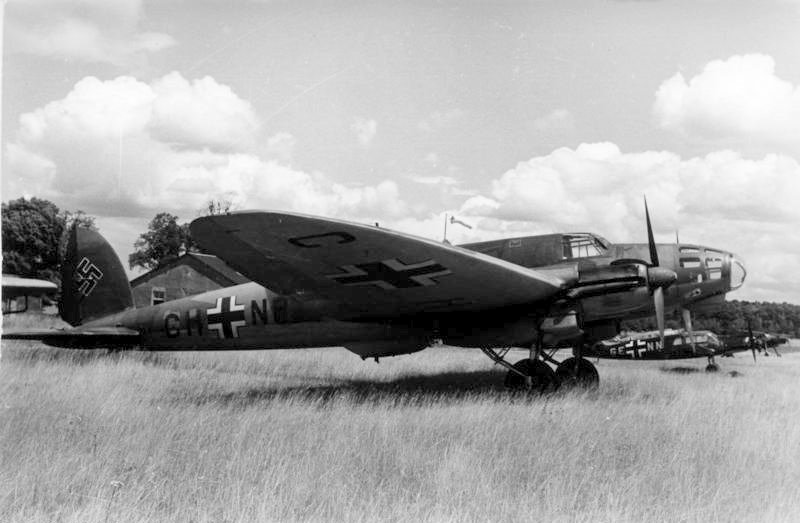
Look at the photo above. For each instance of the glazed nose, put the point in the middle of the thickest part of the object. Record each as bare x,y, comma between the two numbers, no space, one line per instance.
738,272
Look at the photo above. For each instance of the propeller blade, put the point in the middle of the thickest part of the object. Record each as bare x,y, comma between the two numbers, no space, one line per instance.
650,240
687,324
658,301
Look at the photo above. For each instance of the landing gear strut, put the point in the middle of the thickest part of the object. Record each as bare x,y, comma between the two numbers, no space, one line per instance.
534,374
712,366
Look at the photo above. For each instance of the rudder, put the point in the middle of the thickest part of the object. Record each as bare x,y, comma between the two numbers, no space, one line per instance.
93,280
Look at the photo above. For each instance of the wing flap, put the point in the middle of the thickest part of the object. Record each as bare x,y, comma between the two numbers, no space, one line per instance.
368,270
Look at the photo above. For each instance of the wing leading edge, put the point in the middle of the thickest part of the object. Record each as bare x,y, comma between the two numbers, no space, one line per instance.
368,270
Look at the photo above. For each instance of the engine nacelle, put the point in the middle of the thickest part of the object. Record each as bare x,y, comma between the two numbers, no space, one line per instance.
617,277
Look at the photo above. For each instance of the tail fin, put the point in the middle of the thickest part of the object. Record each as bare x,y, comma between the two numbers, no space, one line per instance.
93,281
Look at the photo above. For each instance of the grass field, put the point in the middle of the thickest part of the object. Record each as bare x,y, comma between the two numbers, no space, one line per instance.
319,435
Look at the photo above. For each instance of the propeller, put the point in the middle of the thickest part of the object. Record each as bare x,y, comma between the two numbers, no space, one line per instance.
651,243
658,277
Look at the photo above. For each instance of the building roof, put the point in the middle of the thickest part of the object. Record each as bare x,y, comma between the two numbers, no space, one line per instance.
206,264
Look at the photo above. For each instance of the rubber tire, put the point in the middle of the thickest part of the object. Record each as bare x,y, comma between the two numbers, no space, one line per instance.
543,377
712,367
586,376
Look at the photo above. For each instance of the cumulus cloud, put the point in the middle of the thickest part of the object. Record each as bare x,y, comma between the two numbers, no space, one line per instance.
201,112
125,147
721,199
86,30
364,130
598,183
740,98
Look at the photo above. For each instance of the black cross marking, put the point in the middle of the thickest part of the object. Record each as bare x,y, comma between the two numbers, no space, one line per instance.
226,317
391,274
87,275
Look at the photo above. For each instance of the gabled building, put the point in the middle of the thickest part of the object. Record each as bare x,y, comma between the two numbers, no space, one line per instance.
190,274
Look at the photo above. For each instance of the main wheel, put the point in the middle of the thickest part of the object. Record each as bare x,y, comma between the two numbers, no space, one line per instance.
543,379
584,375
712,367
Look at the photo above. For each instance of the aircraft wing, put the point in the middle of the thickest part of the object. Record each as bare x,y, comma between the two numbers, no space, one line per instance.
368,270
17,286
80,338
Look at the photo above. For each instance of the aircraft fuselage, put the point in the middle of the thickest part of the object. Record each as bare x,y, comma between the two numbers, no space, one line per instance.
250,316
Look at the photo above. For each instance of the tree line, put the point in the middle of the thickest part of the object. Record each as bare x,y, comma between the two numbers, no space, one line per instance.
735,316
34,237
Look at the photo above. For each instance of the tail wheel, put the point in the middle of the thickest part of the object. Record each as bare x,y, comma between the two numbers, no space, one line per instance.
577,372
542,377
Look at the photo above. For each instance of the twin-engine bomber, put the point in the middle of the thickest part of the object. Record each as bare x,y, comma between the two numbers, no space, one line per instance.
320,282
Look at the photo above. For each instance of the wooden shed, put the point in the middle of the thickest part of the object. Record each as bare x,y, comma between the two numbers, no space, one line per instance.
190,274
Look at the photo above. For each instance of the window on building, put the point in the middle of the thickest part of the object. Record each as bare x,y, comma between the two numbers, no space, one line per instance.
158,295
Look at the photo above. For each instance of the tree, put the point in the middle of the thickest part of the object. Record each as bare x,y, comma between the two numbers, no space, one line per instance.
33,231
214,207
79,218
164,241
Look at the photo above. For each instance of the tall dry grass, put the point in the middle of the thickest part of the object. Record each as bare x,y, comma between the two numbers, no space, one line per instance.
319,435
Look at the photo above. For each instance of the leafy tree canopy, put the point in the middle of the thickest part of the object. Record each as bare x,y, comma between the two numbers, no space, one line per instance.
163,242
734,316
166,239
33,233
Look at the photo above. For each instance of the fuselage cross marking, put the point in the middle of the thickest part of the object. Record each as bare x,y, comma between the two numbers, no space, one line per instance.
226,317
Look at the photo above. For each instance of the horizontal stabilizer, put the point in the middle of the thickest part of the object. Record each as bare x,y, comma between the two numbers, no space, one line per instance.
17,286
90,338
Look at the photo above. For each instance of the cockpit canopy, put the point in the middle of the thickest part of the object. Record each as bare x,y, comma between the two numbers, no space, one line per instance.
583,245
549,249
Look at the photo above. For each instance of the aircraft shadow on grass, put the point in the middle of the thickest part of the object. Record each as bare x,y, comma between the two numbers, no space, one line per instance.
694,370
414,389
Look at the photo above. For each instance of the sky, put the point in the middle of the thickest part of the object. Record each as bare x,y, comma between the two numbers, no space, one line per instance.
517,117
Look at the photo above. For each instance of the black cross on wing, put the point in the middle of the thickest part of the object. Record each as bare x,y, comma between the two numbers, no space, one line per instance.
391,274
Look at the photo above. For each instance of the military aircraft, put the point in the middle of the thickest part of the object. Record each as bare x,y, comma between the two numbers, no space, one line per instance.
677,344
321,282
754,341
